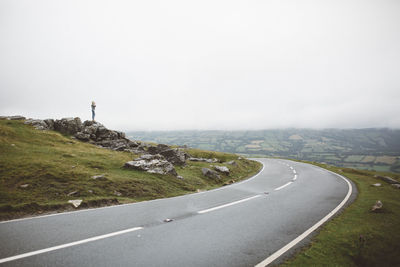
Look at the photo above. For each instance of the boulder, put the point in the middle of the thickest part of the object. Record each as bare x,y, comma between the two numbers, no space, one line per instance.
387,179
152,164
82,136
397,186
378,205
210,174
377,185
49,123
174,155
75,202
157,149
68,125
38,124
232,162
222,169
214,160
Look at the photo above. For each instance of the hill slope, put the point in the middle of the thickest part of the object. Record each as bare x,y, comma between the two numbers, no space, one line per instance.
41,170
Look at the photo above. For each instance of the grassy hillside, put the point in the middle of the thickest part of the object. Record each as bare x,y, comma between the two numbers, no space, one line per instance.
359,237
41,170
373,149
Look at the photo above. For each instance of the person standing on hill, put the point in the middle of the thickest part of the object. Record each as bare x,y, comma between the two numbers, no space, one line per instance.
93,110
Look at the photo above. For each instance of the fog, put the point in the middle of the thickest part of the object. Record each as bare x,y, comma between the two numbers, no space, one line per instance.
173,65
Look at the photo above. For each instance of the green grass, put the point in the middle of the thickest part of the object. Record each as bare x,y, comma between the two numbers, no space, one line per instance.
54,165
339,244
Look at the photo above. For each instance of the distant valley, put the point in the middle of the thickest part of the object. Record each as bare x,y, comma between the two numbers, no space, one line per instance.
373,149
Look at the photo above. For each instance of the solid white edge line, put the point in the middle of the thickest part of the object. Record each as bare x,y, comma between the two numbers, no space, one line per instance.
279,188
284,249
41,251
136,203
227,205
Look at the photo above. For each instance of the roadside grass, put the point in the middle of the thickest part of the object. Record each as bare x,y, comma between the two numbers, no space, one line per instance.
358,237
41,170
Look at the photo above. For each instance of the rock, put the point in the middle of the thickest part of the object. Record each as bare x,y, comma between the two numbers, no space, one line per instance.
68,125
210,173
222,169
82,136
99,177
73,193
157,149
232,162
378,205
174,155
229,182
37,124
24,185
376,185
152,164
49,123
117,193
397,186
168,220
214,160
180,177
90,191
75,202
386,179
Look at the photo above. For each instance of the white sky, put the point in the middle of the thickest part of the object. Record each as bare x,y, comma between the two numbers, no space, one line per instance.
171,65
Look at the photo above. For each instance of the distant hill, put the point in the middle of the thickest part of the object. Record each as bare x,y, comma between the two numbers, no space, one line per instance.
375,149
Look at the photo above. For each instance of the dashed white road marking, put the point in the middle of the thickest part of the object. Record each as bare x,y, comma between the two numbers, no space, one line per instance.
295,177
294,171
291,244
227,205
283,186
41,251
291,167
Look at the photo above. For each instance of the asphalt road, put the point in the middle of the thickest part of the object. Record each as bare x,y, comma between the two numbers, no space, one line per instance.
238,225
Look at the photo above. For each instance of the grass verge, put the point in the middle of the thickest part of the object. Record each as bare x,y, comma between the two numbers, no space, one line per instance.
358,237
41,170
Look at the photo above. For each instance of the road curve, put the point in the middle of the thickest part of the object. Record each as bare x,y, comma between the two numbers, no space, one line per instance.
257,221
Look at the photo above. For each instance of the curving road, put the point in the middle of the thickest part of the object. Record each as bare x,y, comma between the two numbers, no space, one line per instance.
258,221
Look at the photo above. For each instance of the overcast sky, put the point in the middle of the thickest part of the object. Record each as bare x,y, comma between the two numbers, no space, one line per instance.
166,65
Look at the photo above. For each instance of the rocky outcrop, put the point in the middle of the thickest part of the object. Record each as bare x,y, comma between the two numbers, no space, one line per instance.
174,155
38,124
210,174
222,169
68,125
89,131
152,164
